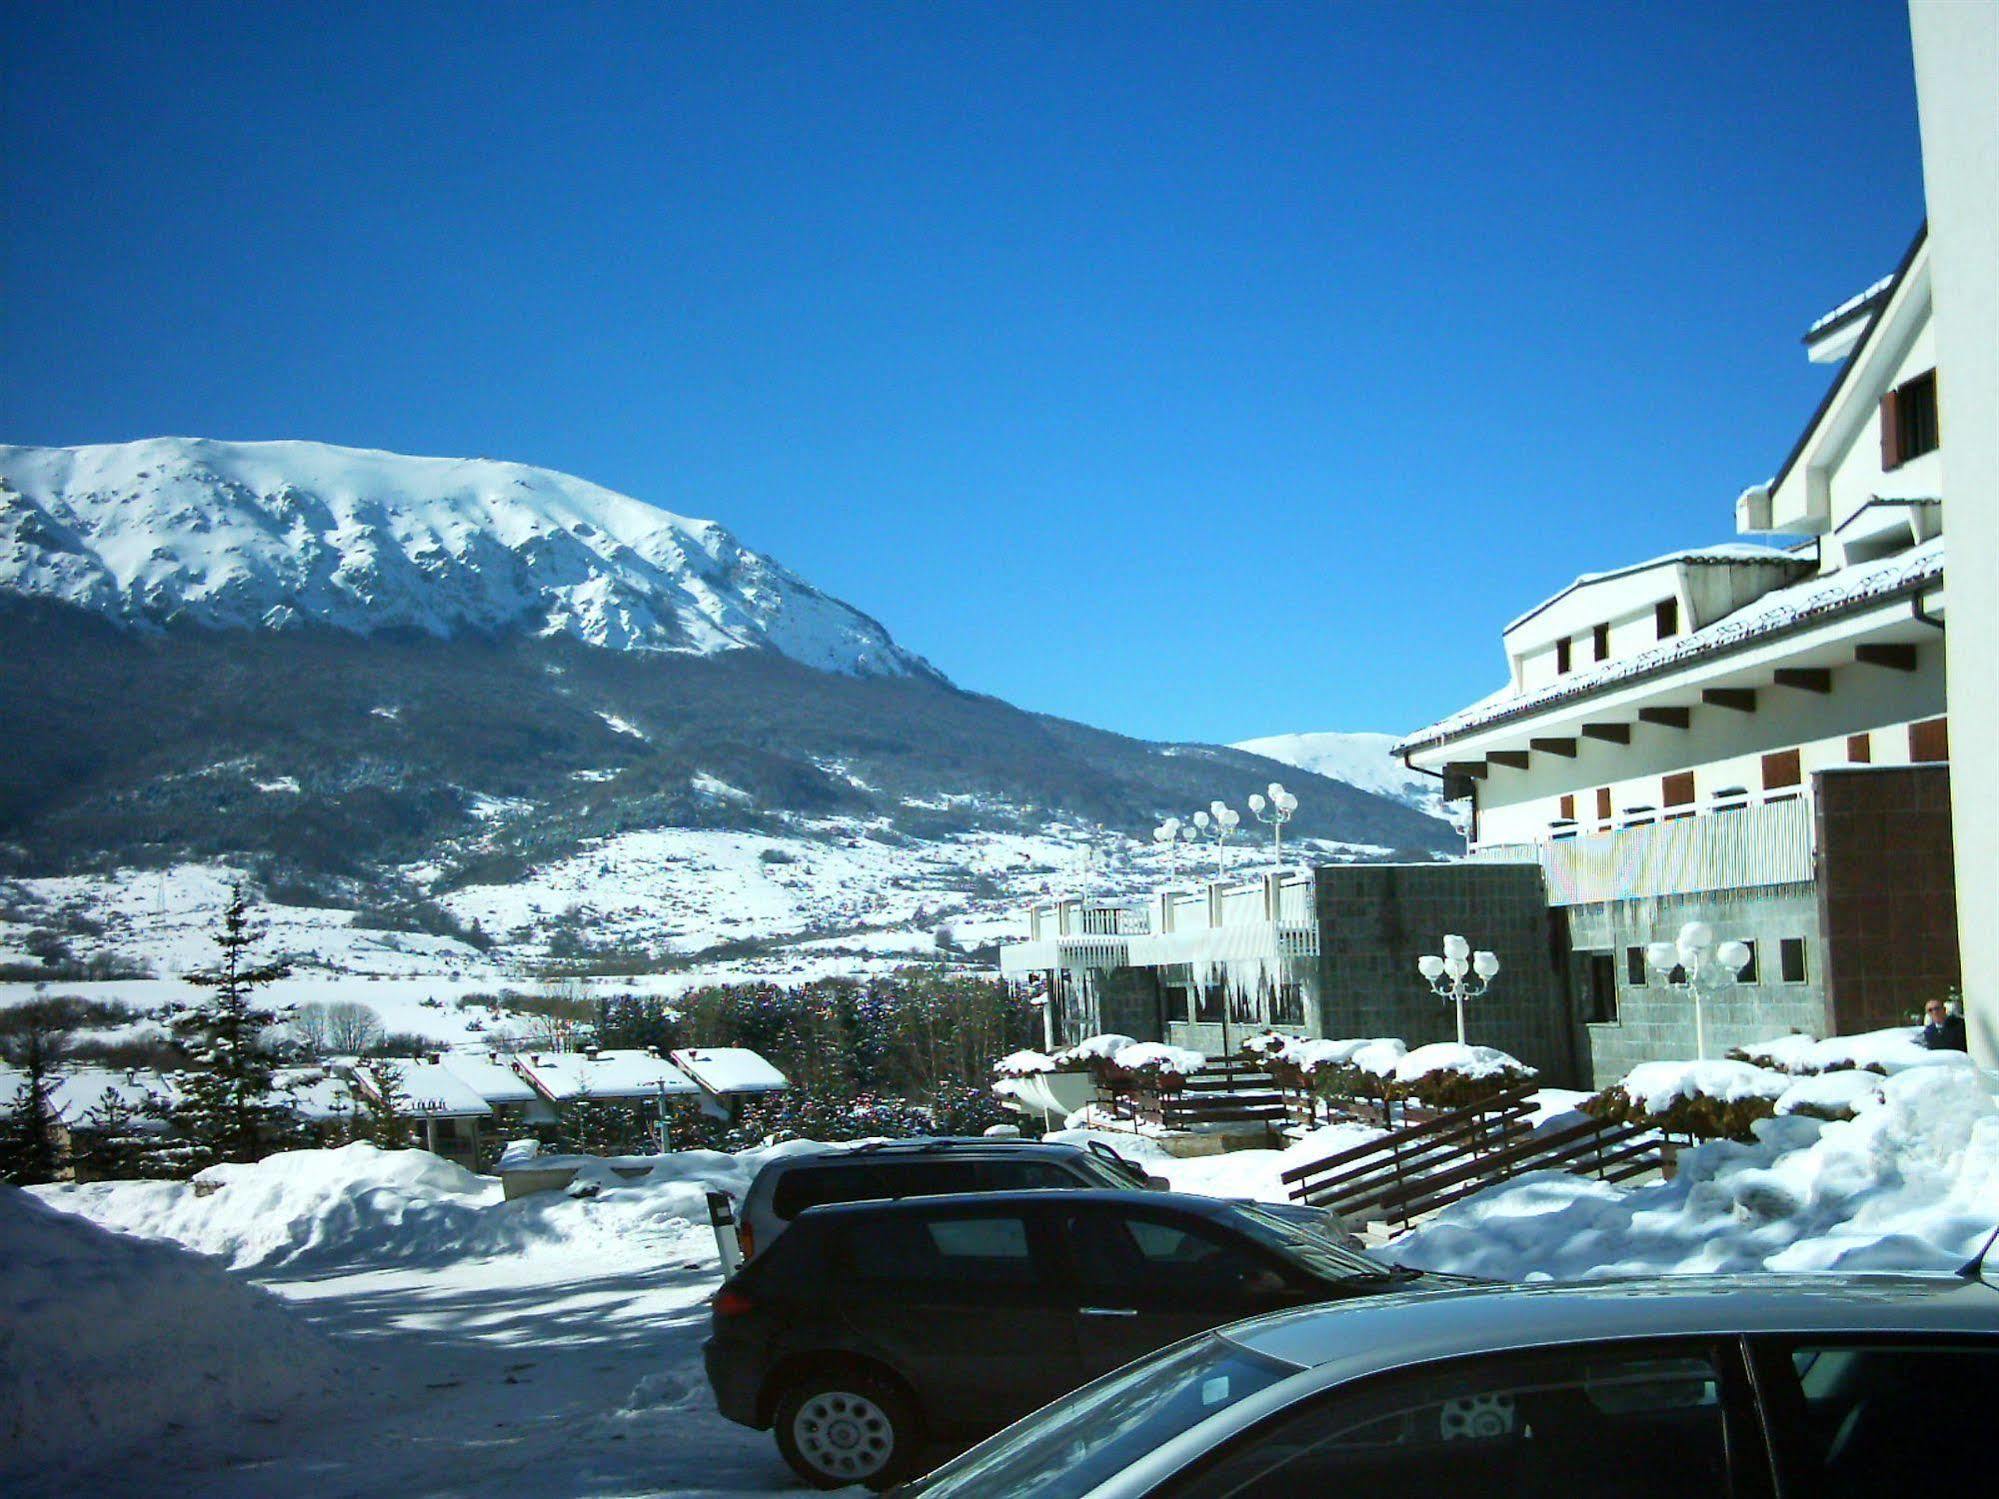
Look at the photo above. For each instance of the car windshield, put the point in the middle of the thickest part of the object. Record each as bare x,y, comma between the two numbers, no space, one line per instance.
1068,1448
1320,1254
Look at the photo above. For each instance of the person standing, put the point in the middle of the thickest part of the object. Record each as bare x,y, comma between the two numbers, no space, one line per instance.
1942,1031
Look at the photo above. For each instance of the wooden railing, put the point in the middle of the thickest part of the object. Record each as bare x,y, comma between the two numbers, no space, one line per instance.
1230,1091
1414,1170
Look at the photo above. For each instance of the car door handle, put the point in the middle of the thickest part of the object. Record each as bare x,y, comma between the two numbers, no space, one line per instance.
1109,1311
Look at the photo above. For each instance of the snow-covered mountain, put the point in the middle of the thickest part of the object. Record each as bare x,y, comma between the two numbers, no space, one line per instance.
277,534
1359,759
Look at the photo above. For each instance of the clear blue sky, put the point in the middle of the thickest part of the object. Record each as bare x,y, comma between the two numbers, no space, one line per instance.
1197,371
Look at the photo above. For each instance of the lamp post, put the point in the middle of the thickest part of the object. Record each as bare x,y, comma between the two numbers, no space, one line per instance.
1460,974
1276,812
1167,836
1218,822
1705,969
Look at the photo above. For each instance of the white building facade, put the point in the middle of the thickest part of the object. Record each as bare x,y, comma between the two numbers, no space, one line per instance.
1752,735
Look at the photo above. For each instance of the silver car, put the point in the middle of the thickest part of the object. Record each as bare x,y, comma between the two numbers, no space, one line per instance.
1762,1386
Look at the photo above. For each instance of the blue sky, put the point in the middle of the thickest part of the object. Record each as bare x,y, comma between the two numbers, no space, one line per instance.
1196,371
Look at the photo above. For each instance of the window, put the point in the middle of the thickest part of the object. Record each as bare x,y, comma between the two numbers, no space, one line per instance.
1638,817
1875,1419
1025,1176
1569,808
799,1190
1909,426
1781,769
1288,1005
1634,967
1603,804
1128,1260
1929,741
1602,991
1562,656
1666,614
1748,974
958,1252
1586,1421
1600,643
1859,749
1677,790
1791,960
1213,1003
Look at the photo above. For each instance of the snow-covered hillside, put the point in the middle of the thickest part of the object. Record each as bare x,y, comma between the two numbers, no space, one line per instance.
274,534
1359,759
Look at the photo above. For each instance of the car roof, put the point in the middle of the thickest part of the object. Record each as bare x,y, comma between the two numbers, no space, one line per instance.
924,1150
1206,1207
1350,1338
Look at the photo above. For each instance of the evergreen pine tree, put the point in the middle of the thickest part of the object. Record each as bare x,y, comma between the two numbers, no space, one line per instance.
387,1120
119,1140
31,1145
229,1107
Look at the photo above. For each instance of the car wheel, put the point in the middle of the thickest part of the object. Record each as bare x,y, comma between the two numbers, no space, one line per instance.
840,1427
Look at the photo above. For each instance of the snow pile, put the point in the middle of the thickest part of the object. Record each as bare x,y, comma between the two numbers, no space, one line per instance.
1090,1048
1888,1051
1656,1087
1910,1184
1476,1062
1254,1175
313,1209
1832,1095
1023,1064
1158,1058
107,1342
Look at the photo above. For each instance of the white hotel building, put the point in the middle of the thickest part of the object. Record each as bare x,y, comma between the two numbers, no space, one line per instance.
1753,734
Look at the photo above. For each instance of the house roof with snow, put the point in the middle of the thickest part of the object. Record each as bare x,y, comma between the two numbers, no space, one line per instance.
431,1088
1802,604
315,1093
726,1070
492,1078
563,1077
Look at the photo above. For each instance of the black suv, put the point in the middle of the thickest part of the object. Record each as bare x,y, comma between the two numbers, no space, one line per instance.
872,1331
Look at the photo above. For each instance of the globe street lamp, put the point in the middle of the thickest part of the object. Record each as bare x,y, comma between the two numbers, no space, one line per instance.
1276,811
1218,822
1460,974
1167,836
1705,969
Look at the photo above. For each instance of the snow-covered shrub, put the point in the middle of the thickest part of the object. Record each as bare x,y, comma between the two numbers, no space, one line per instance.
1154,1064
1446,1075
1707,1100
1024,1064
1885,1052
1832,1095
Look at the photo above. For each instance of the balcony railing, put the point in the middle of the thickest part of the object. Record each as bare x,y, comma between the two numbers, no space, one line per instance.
1769,843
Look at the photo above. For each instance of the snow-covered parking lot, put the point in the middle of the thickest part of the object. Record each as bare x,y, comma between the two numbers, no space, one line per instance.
420,1336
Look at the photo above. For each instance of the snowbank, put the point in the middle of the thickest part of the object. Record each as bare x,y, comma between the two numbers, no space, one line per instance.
1910,1184
1109,1044
1477,1062
360,1205
1657,1086
106,1341
1896,1049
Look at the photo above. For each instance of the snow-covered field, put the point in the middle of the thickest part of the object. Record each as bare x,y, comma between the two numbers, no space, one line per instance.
442,1341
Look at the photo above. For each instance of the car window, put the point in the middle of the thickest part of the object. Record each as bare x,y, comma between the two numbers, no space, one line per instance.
1589,1422
1070,1447
813,1186
1027,1176
906,1250
1118,1255
1877,1419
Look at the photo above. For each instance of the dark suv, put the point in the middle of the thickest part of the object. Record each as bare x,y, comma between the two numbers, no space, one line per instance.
939,1166
871,1331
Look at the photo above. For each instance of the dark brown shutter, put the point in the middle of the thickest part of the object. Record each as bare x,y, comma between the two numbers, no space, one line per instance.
1677,790
1929,741
1891,430
1569,808
1601,637
1780,769
1603,803
1859,749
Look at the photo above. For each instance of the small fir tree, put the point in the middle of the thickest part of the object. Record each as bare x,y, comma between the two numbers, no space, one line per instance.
120,1140
229,1107
35,1038
386,1121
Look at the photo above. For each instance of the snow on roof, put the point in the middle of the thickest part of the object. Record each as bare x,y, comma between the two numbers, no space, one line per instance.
1723,554
436,1089
1777,611
1850,306
604,1074
75,1095
492,1078
315,1093
725,1070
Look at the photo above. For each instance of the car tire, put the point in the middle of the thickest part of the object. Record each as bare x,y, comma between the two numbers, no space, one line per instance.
838,1427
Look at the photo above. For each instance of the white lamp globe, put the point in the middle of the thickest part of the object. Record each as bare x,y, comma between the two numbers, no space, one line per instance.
1229,817
1287,803
1457,968
1661,955
1456,946
1255,801
1696,934
1217,807
1734,956
1431,967
1485,964
1277,792
1200,819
